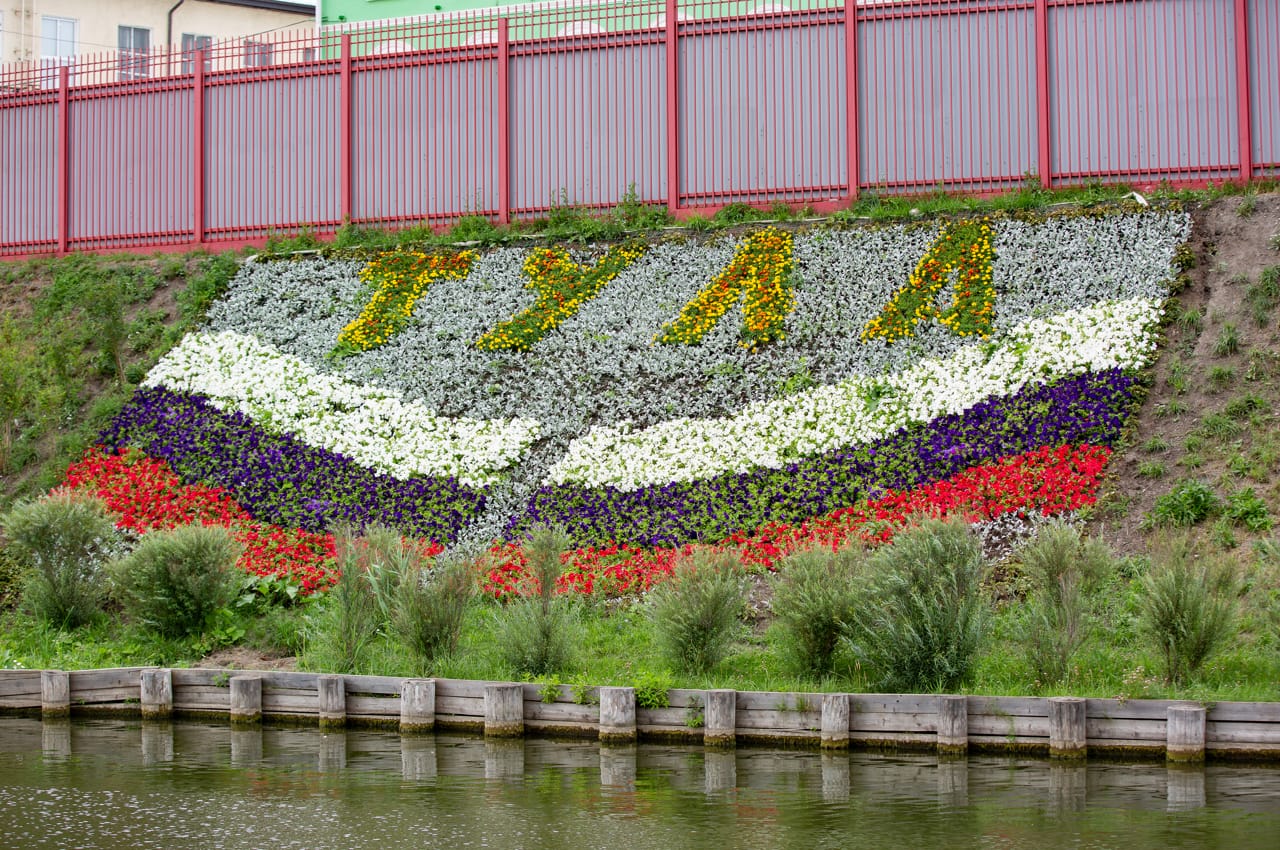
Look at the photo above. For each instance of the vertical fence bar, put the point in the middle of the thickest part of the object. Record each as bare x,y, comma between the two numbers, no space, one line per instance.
504,121
673,110
197,152
1042,92
64,158
344,130
1242,90
851,94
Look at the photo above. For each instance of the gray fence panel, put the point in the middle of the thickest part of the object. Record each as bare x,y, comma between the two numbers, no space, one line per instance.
273,154
425,140
587,124
947,100
1264,82
762,115
1144,90
131,174
28,174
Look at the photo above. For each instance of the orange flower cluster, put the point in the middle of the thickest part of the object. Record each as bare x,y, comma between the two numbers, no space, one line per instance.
399,279
563,286
761,269
964,248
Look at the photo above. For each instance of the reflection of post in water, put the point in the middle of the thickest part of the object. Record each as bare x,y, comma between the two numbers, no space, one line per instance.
157,742
246,746
618,767
721,769
953,781
418,757
835,776
1068,785
504,758
1185,788
55,738
333,750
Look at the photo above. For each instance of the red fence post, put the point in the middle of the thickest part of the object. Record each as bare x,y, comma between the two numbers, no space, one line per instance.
851,93
344,130
64,159
1242,90
197,153
1045,165
504,122
673,110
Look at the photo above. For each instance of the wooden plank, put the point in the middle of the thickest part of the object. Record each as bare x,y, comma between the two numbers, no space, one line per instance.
1245,712
20,701
768,720
461,706
904,738
197,677
770,701
1009,706
460,688
892,703
663,717
567,712
1242,733
100,695
881,721
997,741
19,682
683,698
568,727
386,686
1251,749
88,680
1136,730
202,698
363,705
289,702
1129,709
1018,726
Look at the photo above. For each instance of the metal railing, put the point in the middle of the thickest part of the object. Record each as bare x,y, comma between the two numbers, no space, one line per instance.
689,103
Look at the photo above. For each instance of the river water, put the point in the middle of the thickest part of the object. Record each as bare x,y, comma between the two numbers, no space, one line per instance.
122,784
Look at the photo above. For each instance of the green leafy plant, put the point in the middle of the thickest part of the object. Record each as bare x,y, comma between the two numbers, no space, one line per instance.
537,633
1245,508
925,620
1151,469
1228,341
1187,608
176,580
696,614
63,542
652,690
815,598
1189,502
347,622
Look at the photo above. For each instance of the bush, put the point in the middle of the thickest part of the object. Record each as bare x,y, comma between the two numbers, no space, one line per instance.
925,620
537,632
815,598
1188,503
1188,607
175,581
1063,569
696,614
347,621
63,541
429,607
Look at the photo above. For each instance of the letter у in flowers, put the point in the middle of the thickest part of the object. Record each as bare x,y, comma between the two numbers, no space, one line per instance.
400,278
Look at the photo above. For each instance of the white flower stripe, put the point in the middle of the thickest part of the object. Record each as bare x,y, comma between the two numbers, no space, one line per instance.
371,425
860,409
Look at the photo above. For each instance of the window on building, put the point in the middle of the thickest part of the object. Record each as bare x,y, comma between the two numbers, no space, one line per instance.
257,54
190,44
57,39
135,52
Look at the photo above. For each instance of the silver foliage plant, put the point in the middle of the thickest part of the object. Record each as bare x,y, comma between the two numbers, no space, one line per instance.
601,365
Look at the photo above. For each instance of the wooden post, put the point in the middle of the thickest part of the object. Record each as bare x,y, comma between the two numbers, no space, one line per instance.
618,767
331,692
953,725
55,694
835,722
157,694
1184,734
503,711
720,718
417,706
1067,728
246,700
617,715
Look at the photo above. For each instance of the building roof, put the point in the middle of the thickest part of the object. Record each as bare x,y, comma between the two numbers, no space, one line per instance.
306,10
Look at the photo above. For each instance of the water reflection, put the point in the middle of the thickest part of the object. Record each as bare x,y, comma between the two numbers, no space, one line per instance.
125,784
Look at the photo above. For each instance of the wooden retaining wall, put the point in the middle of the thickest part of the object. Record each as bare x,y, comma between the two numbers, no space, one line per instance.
1065,727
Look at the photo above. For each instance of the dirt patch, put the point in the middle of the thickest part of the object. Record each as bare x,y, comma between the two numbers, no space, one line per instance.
243,658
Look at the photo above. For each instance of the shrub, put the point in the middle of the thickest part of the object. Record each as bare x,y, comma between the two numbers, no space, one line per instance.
63,541
347,622
1244,507
175,581
696,614
925,620
815,597
1188,503
537,632
1063,569
429,606
1188,610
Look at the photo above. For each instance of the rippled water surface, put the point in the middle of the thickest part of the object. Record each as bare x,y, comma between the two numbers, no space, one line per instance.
120,784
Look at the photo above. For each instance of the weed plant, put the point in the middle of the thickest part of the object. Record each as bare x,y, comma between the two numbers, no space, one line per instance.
346,623
429,607
1189,502
536,634
697,613
63,543
815,599
1188,607
175,581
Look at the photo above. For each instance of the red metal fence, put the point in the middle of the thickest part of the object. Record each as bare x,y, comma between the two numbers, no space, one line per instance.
691,103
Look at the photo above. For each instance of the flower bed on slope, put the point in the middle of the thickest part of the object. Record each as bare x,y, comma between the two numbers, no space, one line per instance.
635,445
